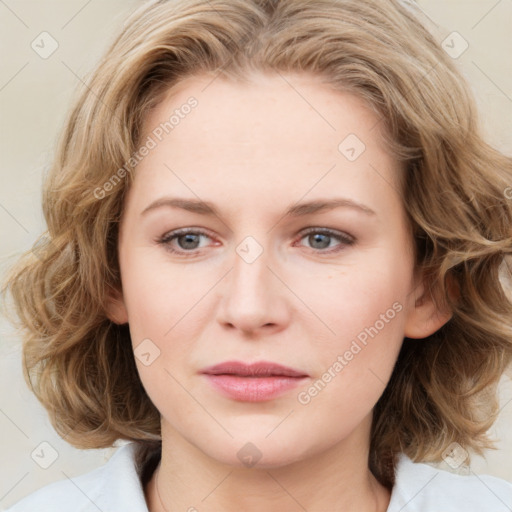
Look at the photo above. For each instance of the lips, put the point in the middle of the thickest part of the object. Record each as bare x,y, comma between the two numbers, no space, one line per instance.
258,369
256,382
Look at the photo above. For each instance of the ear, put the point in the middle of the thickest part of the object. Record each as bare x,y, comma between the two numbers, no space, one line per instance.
115,307
429,311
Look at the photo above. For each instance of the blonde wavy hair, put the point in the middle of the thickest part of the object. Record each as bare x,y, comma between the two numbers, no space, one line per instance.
80,364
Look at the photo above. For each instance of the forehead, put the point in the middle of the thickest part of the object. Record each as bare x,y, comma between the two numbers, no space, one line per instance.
278,132
299,108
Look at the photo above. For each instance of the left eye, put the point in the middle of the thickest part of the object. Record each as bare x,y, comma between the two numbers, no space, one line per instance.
188,240
321,238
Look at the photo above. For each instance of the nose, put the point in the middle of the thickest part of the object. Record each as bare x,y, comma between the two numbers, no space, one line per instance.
254,298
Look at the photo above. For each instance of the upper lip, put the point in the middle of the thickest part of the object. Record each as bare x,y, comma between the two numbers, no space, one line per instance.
257,369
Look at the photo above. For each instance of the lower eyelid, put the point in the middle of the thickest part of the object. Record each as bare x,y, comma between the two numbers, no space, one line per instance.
343,239
342,243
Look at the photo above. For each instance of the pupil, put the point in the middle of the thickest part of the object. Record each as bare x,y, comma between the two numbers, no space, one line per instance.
189,239
318,237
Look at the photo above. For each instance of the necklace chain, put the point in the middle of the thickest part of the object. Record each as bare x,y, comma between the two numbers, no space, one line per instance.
157,490
160,497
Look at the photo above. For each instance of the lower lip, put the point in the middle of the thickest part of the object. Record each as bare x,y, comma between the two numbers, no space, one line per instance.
253,389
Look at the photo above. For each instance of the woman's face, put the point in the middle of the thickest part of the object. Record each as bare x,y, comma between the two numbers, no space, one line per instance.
327,291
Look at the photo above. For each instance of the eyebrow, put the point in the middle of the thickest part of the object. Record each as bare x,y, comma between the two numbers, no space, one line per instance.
296,210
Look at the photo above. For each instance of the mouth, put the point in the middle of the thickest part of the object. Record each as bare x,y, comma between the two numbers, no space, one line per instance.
254,382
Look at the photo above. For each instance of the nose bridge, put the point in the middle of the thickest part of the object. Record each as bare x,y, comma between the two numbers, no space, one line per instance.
252,298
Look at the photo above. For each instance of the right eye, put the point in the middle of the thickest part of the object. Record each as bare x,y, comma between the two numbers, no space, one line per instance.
187,240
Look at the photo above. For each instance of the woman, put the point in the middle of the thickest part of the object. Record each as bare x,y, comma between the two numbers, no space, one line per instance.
281,282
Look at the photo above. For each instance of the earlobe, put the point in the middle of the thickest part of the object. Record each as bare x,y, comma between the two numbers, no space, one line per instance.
426,315
422,322
115,307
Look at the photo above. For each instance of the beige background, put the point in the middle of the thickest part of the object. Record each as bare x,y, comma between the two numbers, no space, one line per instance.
35,94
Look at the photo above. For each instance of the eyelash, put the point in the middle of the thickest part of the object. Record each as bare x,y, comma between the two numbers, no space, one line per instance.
344,238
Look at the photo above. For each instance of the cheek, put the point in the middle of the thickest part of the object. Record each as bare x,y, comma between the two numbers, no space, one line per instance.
351,297
362,309
157,293
167,307
166,300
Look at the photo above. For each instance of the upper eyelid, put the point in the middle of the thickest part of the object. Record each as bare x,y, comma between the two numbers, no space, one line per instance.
204,231
330,231
185,231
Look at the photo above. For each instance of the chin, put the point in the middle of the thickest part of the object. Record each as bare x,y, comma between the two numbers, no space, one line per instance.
257,452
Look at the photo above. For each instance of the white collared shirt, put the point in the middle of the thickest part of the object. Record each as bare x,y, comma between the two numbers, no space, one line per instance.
419,487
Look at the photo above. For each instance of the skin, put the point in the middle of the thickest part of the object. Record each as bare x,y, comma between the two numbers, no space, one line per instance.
253,151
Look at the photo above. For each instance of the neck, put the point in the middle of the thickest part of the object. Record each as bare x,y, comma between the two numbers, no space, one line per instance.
336,479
